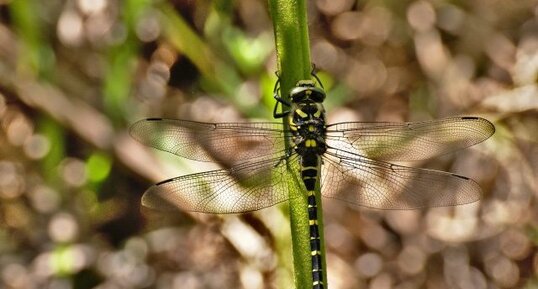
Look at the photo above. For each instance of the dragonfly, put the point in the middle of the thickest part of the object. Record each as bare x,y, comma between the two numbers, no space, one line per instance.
348,160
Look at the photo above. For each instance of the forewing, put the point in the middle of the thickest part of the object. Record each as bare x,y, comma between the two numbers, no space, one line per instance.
409,141
364,182
225,142
246,187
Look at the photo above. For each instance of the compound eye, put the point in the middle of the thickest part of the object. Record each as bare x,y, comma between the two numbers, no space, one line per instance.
317,96
298,97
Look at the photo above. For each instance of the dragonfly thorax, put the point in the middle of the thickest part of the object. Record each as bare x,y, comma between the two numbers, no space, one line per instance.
307,123
307,118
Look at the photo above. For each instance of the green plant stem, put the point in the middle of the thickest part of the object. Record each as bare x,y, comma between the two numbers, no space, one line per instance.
293,51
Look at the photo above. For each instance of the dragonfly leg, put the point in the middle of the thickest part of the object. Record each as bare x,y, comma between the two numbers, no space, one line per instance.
315,75
280,100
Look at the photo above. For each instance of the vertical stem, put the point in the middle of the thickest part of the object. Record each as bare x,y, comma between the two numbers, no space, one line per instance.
294,64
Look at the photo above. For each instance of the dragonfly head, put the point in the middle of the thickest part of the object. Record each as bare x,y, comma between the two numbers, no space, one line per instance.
306,91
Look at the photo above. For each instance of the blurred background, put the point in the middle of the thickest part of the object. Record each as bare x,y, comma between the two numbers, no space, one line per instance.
74,74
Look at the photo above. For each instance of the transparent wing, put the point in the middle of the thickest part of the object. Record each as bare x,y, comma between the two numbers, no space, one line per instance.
408,141
225,142
243,188
364,182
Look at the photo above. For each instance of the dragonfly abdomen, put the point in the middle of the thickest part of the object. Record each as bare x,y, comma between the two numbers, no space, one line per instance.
309,171
310,165
315,242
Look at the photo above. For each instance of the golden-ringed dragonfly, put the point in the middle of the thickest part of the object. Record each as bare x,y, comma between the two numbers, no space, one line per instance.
349,160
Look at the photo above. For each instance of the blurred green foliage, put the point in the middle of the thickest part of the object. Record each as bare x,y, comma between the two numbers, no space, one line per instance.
74,74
